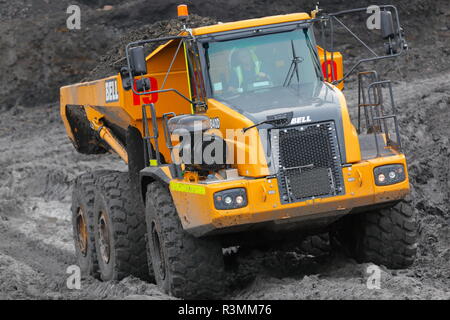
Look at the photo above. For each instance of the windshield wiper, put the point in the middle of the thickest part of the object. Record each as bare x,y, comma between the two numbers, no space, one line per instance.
257,124
313,52
275,120
293,69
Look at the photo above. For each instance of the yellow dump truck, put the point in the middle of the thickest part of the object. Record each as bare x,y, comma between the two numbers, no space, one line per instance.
236,134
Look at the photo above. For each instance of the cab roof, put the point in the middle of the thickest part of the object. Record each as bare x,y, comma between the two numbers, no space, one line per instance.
221,27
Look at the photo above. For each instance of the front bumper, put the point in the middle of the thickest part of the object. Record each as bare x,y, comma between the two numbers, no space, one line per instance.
195,202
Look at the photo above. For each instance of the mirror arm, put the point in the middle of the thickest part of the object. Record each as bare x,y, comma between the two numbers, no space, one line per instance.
355,36
171,64
164,91
130,72
398,34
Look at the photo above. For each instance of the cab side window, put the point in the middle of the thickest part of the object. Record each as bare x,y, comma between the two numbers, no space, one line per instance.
198,91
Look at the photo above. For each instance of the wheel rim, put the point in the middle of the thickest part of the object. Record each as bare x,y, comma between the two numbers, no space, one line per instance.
82,232
104,238
160,265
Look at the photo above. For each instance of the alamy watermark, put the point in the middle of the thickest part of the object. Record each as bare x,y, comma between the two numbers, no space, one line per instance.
374,279
73,22
235,146
74,280
374,20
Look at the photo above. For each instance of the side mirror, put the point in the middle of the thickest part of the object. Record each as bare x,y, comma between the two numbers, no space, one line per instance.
126,81
137,61
387,25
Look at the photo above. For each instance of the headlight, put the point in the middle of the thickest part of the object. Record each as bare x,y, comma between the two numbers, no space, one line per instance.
389,174
230,199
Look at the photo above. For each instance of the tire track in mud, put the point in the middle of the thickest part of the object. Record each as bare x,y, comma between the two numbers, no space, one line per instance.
31,269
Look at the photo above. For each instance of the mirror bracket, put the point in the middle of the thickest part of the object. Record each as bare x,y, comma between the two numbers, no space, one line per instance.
143,85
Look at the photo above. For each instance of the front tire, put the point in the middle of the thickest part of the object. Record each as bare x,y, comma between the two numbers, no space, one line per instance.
185,266
316,245
385,237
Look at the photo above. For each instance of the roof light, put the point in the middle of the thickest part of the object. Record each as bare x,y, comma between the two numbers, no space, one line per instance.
183,12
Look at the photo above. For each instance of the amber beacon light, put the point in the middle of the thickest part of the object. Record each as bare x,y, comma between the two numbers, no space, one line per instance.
183,11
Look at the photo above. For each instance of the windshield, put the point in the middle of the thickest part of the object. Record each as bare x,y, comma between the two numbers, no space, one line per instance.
262,64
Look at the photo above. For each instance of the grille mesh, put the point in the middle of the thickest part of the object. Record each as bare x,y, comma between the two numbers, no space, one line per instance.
308,160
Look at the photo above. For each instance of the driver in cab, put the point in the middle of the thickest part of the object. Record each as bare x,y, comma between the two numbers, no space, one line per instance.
245,73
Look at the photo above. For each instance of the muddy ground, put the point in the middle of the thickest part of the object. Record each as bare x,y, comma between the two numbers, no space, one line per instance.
38,163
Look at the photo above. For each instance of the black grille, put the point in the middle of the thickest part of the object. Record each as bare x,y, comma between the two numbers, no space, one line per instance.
308,160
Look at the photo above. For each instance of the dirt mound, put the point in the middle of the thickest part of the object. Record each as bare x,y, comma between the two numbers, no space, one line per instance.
114,59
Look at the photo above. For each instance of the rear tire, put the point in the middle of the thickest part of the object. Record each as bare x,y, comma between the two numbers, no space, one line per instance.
82,208
119,230
385,237
82,221
185,266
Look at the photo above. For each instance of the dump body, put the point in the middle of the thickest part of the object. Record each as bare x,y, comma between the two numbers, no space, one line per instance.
273,199
106,99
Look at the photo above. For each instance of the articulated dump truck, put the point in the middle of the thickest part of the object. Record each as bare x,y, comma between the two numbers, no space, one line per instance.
238,134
